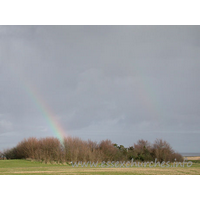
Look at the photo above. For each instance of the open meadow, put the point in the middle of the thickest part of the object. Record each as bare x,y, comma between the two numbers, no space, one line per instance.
28,167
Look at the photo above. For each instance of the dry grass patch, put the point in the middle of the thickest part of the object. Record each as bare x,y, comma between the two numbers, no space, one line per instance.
193,157
110,171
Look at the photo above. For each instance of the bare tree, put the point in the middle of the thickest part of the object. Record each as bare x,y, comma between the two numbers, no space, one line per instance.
162,150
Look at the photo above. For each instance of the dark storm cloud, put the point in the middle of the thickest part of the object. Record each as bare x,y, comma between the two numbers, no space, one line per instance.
118,82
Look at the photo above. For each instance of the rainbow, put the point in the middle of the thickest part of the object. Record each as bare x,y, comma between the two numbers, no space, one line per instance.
148,95
53,123
148,99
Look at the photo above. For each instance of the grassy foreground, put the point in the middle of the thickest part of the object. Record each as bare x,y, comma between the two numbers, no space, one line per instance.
27,167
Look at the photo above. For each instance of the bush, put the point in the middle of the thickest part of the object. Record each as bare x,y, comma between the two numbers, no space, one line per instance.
162,151
108,150
142,150
10,153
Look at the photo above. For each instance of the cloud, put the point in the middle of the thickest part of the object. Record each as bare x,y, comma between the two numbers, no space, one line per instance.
5,125
121,82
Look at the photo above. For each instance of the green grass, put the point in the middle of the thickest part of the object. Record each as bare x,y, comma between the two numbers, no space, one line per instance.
27,167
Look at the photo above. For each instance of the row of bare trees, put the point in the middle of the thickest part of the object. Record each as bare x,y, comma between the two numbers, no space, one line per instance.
160,149
74,149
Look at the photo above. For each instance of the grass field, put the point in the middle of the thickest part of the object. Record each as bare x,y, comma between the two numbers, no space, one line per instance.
27,167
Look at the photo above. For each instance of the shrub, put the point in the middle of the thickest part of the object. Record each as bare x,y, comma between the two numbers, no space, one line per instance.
10,153
164,152
108,150
142,150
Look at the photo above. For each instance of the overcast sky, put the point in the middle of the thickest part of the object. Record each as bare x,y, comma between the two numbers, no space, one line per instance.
122,83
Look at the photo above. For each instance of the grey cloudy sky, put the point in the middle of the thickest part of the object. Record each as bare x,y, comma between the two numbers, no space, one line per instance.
122,83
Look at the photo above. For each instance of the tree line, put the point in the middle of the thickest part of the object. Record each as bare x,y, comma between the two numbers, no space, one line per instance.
74,149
